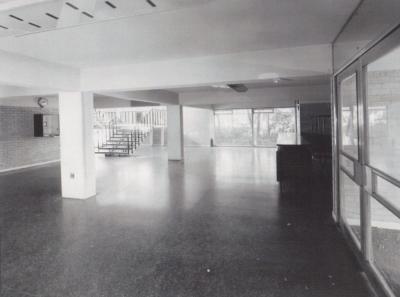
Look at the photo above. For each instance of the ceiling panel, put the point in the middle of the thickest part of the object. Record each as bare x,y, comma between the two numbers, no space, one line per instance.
136,32
42,15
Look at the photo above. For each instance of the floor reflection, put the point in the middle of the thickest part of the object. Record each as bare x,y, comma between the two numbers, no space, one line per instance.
213,225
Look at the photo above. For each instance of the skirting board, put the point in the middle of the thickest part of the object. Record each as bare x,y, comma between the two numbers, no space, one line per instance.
28,166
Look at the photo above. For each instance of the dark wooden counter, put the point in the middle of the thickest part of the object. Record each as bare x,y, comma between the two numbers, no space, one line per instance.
294,162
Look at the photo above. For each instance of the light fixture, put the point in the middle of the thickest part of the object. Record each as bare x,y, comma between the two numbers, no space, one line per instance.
112,5
220,86
151,3
276,80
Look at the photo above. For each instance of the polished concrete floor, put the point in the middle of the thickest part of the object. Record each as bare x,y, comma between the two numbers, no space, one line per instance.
214,225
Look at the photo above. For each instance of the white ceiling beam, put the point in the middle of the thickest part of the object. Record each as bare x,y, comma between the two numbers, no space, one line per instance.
238,67
13,91
22,71
152,96
6,5
258,97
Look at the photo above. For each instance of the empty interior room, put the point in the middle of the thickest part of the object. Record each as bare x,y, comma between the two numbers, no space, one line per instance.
193,148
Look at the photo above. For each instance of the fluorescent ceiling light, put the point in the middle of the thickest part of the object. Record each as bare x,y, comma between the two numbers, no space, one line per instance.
12,4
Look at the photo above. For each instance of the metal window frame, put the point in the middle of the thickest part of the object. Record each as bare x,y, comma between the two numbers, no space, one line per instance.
382,46
253,145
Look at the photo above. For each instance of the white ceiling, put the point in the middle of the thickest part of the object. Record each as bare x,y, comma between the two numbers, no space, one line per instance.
216,27
269,83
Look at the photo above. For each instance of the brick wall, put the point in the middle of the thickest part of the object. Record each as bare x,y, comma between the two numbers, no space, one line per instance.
18,146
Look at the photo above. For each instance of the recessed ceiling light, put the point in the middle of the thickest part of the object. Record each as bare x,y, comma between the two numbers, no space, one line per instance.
71,5
35,25
112,5
151,3
16,18
87,14
52,16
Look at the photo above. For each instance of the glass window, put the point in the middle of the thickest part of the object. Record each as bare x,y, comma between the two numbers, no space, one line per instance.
368,179
383,103
347,164
271,125
388,191
350,194
385,228
349,116
233,127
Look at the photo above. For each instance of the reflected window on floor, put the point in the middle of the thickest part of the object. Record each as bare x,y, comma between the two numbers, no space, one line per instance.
385,228
350,193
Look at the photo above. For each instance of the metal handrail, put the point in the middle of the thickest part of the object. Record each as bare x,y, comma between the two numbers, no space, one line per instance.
134,130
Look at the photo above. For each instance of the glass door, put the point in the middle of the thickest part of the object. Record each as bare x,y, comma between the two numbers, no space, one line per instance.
350,151
381,69
368,151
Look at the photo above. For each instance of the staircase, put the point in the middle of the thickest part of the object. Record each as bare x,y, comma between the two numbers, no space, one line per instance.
118,135
121,141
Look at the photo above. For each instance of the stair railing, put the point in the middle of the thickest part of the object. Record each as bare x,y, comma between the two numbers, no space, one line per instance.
116,132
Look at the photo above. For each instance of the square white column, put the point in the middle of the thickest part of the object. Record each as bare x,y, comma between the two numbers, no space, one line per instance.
78,171
175,132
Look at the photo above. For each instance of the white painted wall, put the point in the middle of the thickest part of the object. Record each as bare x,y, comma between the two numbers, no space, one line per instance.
197,126
175,132
28,101
150,96
101,101
258,97
78,172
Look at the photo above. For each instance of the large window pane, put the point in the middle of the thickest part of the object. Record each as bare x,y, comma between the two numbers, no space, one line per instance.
386,244
388,191
270,125
349,116
350,194
233,127
347,164
383,102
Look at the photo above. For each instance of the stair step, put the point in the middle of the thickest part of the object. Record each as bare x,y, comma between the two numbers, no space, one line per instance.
105,151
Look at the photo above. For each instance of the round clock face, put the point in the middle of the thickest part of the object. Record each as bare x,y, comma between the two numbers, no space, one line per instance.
42,102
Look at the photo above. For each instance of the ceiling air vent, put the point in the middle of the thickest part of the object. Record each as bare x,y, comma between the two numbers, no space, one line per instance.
240,88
